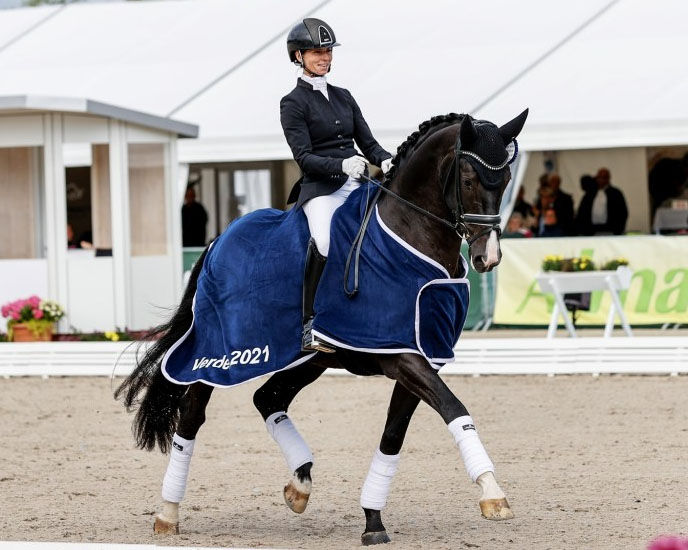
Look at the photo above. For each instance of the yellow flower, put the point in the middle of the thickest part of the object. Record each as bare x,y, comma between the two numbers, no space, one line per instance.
112,336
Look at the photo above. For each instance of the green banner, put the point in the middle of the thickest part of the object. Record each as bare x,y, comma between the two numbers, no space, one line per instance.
658,293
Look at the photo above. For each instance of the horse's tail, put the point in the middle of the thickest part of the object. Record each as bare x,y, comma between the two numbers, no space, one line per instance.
158,409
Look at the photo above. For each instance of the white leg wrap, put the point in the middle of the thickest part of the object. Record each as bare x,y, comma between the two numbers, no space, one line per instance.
294,448
379,480
472,451
174,484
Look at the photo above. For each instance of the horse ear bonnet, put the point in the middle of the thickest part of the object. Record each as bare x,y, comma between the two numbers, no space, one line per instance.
512,128
489,142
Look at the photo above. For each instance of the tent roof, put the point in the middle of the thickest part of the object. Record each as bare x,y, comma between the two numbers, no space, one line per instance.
13,104
595,73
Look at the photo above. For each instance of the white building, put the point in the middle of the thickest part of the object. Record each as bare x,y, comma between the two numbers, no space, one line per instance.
120,168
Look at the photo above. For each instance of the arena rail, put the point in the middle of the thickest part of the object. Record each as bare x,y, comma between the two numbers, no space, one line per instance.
474,356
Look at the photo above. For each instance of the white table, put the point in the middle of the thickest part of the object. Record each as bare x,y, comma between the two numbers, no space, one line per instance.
559,283
672,219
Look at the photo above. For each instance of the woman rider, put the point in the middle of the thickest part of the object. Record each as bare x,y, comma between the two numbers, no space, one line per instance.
321,123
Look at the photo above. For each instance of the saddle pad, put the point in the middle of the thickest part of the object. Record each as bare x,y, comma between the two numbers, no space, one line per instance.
247,307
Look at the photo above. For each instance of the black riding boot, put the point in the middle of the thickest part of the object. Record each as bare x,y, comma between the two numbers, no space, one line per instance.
315,263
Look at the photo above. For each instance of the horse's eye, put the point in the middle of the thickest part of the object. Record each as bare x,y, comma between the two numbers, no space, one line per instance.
468,183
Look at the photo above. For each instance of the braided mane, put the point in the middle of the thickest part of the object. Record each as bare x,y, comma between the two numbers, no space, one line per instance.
425,129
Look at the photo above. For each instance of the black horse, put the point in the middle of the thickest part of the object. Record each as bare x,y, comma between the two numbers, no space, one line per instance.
445,186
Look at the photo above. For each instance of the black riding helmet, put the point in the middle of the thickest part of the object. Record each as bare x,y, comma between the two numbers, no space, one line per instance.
309,34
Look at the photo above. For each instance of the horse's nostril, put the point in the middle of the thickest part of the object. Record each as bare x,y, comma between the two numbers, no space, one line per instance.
479,262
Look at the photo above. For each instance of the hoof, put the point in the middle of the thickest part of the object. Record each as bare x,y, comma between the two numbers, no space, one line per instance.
296,500
496,509
162,527
376,537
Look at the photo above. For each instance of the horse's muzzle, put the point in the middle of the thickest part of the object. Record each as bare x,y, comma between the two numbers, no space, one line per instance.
485,253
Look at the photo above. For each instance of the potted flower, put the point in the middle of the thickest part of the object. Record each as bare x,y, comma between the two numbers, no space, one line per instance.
559,263
31,319
574,301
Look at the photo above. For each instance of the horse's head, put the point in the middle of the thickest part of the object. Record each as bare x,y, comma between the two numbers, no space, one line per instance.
476,182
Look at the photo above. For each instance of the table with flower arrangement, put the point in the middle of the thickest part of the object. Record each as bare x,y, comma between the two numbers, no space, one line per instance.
559,283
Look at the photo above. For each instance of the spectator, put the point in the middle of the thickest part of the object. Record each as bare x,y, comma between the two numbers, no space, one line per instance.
194,220
551,226
680,190
522,206
543,201
84,242
602,211
562,204
588,184
667,180
516,228
550,196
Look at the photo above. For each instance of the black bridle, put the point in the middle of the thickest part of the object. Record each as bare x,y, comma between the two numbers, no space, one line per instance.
453,200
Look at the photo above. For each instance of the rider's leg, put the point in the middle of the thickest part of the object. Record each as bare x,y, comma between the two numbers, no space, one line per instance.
315,265
319,211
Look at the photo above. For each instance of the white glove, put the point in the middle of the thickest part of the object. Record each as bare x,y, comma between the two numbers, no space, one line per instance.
354,166
386,165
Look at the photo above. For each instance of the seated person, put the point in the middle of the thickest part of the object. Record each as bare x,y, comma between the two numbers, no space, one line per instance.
516,228
551,226
84,242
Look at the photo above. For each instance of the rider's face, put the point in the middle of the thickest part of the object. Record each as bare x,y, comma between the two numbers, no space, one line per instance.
317,62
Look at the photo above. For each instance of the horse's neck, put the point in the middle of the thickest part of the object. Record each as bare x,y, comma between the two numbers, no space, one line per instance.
430,237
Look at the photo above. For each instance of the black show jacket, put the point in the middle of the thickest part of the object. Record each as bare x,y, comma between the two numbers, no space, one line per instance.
321,134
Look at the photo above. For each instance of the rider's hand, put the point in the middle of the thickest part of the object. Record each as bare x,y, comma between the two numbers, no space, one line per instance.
354,166
386,165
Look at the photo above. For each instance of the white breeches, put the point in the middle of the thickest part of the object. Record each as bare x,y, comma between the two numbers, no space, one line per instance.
319,211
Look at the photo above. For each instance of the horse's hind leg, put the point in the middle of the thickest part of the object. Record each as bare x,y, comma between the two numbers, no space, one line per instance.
191,418
272,400
384,465
418,377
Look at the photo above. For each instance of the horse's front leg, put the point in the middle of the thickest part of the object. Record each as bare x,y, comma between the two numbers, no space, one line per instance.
385,463
191,418
420,378
272,400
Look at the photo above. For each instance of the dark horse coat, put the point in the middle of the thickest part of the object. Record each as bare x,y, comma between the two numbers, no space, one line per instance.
321,135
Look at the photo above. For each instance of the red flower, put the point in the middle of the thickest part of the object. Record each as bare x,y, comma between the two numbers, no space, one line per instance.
669,543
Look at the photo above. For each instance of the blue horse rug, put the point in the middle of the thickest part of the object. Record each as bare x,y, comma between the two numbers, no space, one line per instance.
247,307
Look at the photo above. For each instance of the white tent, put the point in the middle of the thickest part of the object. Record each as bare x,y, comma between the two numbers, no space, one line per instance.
596,74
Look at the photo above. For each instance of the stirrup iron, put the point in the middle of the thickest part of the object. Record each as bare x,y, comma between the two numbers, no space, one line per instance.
311,342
